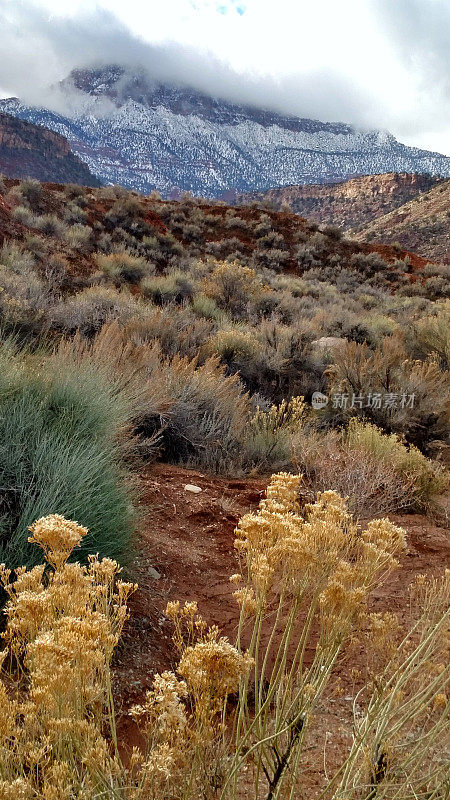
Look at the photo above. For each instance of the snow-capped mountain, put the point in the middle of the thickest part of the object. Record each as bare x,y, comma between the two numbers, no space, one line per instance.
146,135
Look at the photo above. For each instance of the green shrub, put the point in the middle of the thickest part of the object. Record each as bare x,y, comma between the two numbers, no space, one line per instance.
25,216
37,245
127,212
16,258
90,309
205,307
78,237
59,452
307,256
123,266
161,247
51,225
369,264
237,348
426,477
31,191
225,248
274,258
174,287
72,213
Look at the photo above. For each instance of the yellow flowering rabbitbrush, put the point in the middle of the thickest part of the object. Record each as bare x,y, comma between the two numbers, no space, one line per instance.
231,720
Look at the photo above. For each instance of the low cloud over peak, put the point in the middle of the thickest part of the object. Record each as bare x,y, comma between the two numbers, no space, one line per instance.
34,43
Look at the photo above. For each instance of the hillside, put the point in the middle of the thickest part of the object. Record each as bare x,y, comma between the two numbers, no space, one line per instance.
31,151
187,229
422,225
347,204
145,135
267,293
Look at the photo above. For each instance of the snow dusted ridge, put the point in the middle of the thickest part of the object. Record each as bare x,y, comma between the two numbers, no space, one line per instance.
146,136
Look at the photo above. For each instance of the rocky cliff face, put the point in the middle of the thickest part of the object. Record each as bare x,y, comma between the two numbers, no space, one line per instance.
422,224
146,135
348,204
31,151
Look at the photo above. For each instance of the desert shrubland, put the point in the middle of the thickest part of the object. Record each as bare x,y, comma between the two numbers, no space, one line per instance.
232,719
250,317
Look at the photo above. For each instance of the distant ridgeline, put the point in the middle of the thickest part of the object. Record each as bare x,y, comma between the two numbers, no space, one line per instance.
146,135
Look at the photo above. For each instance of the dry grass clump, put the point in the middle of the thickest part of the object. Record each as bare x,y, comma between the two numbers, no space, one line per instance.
370,484
425,477
271,435
431,334
361,372
194,413
231,719
377,473
232,286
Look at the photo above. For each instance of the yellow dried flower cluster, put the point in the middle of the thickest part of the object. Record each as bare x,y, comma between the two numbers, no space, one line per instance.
289,415
187,622
57,537
246,600
305,571
62,627
285,551
213,668
163,707
210,665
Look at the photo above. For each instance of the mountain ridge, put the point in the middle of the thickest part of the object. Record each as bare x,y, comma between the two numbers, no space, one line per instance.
346,204
421,225
147,135
32,151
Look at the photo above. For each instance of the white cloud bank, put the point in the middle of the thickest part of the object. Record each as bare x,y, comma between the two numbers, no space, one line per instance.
373,63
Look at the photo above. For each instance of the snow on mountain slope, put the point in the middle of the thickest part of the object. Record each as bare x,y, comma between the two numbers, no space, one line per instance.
146,136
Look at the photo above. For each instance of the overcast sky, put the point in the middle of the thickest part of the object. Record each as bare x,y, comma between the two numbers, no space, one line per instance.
374,63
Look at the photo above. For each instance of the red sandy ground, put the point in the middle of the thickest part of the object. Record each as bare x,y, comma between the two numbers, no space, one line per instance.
188,538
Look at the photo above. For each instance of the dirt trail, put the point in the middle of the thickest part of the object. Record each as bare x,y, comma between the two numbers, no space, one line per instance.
185,551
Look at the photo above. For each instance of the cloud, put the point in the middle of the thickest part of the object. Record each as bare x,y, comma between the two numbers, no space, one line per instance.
418,32
372,63
33,43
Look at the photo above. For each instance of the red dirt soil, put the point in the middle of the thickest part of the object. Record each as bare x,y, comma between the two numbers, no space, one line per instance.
188,539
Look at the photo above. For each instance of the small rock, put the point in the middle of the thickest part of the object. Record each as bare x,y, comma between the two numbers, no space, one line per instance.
327,344
191,488
154,573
